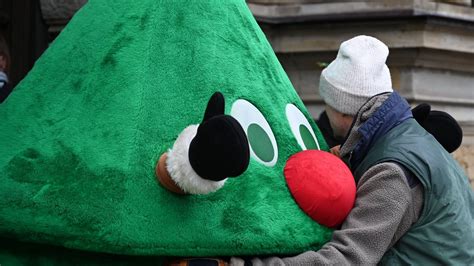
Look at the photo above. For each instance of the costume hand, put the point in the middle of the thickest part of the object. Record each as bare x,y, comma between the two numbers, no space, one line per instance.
441,125
205,155
220,148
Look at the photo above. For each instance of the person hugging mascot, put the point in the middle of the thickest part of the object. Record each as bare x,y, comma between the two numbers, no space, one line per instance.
156,131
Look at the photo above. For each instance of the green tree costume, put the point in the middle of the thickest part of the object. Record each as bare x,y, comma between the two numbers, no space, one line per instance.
81,135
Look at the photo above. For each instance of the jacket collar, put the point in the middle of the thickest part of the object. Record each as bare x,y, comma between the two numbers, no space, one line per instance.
375,118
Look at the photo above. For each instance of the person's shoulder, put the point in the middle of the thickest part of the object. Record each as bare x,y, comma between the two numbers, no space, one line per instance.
387,168
391,171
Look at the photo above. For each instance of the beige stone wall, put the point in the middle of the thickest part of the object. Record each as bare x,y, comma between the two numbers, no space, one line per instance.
431,60
465,156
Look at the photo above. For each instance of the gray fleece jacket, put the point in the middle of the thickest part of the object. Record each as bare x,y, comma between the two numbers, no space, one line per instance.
388,201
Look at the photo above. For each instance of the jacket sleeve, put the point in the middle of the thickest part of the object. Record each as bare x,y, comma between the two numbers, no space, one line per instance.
383,212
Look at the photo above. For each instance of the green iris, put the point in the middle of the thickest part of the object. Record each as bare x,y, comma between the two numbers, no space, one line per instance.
260,143
308,139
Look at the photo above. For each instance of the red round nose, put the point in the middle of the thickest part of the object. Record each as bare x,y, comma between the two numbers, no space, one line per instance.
322,185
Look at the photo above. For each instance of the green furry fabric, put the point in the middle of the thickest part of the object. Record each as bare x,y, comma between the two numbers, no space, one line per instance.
81,134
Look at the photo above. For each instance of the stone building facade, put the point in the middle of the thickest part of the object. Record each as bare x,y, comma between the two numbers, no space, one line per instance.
431,47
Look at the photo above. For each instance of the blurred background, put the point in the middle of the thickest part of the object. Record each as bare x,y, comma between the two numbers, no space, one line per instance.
431,46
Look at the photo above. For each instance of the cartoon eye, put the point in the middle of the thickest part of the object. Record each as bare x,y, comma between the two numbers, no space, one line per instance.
263,146
301,128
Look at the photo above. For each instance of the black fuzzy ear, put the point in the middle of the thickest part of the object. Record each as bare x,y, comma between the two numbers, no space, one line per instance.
445,129
215,106
421,112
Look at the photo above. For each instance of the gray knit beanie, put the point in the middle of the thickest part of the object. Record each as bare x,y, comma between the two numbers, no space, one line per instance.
358,73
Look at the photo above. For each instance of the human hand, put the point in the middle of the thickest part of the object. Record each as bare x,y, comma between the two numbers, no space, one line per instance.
336,150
